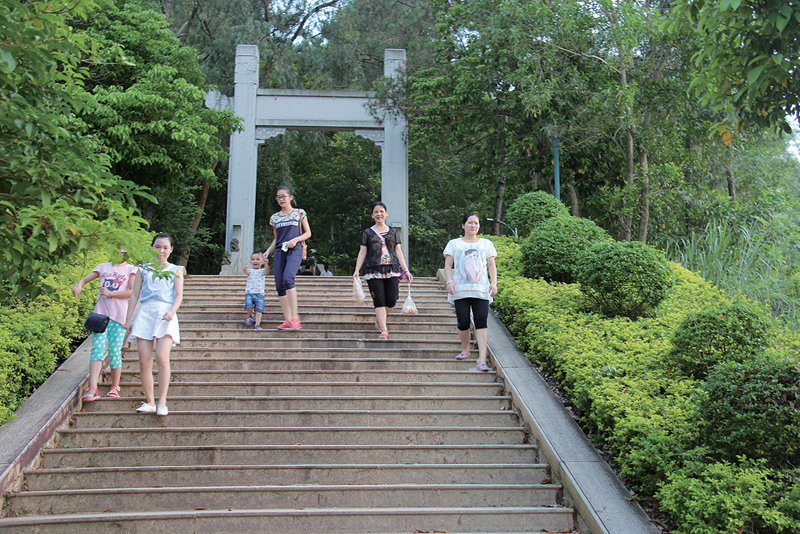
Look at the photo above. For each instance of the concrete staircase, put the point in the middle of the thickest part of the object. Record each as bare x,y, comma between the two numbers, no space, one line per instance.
327,429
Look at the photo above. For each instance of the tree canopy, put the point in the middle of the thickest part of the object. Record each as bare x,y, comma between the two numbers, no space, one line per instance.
57,192
747,54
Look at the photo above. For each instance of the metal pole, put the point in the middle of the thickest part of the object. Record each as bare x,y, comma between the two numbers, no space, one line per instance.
556,177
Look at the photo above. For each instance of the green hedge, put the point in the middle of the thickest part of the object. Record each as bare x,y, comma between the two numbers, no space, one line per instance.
37,334
633,402
532,209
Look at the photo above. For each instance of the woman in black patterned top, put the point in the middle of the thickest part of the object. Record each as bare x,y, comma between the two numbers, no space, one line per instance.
384,264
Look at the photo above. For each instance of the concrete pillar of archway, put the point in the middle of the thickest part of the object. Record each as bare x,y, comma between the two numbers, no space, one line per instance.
239,227
394,156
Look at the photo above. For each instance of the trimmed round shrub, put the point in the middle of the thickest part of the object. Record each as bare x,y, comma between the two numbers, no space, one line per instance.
628,279
553,249
733,333
532,209
752,409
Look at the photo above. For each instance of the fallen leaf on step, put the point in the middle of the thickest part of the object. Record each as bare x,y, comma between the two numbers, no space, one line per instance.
441,531
201,508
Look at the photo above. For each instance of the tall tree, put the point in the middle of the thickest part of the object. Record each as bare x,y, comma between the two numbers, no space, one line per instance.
151,115
58,194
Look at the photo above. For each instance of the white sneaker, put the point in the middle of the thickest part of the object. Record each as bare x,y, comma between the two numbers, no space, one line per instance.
146,408
162,409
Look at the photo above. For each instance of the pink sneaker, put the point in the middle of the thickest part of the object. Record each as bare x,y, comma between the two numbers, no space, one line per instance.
294,324
285,325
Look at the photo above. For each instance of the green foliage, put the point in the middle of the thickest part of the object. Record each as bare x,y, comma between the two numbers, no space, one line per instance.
752,409
733,333
756,258
746,52
36,333
531,209
629,279
57,193
152,119
509,255
552,251
617,376
729,497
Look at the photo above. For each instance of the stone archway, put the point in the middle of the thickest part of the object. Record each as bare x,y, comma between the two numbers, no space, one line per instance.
271,112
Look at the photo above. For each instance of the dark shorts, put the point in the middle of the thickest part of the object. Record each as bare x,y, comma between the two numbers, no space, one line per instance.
480,312
384,291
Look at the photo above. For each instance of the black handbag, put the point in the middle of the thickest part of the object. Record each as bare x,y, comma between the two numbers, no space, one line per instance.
96,322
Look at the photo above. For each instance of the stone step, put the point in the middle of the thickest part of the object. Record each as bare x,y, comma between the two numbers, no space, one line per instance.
382,350
360,316
236,324
230,403
265,339
323,430
270,332
283,475
148,498
266,361
350,435
296,418
349,520
316,389
192,455
305,375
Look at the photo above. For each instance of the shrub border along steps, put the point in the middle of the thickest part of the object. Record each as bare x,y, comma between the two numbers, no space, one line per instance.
602,501
35,422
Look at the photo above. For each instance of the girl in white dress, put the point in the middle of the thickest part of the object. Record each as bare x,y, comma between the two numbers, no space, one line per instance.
156,325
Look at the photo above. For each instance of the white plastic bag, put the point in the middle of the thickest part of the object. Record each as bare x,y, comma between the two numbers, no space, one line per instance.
358,291
408,306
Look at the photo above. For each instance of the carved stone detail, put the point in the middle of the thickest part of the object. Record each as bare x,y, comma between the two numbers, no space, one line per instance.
264,132
376,136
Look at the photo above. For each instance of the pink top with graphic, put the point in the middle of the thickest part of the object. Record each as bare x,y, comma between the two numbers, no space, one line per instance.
114,278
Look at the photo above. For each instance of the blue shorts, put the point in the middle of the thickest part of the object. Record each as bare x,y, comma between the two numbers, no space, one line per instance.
255,301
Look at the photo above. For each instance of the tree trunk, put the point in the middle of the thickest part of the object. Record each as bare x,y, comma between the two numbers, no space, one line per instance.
731,185
573,200
644,198
626,217
198,216
498,205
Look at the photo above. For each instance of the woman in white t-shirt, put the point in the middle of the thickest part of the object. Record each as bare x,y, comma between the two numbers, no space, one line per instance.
471,275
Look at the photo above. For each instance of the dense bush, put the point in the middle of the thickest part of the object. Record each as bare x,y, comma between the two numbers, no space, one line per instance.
35,334
552,251
629,279
731,333
631,402
752,409
532,209
509,255
724,497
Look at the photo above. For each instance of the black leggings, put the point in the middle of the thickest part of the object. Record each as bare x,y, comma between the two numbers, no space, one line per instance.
384,291
480,312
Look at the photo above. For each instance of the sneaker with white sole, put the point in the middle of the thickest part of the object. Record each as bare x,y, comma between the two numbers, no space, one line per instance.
162,409
146,408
